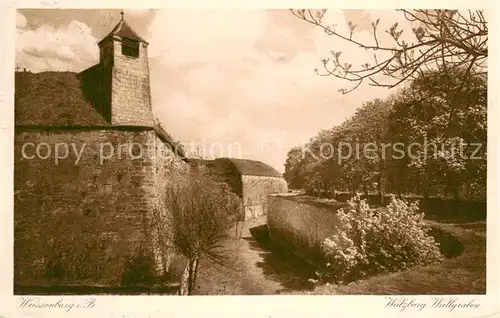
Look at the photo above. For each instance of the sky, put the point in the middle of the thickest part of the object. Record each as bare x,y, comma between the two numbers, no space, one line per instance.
233,83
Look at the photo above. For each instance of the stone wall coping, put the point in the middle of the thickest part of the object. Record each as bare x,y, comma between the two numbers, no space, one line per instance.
312,201
21,128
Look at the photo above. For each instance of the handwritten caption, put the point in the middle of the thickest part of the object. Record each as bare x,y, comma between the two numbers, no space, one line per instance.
64,304
443,303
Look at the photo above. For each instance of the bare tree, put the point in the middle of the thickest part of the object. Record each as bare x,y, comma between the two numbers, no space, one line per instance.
445,39
197,218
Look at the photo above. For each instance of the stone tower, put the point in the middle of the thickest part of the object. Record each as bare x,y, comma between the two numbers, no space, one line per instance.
124,59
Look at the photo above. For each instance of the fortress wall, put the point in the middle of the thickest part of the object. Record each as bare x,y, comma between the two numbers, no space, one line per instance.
83,215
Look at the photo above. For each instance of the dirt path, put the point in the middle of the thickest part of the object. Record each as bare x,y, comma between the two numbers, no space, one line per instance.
254,270
251,270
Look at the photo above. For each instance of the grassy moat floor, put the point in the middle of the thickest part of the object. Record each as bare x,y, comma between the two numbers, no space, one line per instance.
252,269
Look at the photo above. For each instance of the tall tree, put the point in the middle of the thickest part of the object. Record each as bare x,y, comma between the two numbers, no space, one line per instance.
195,220
444,115
292,167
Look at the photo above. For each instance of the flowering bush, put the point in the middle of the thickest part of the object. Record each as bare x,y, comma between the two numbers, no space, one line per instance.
371,241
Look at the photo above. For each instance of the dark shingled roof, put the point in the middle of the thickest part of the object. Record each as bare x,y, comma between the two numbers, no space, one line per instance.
124,30
252,168
67,100
53,99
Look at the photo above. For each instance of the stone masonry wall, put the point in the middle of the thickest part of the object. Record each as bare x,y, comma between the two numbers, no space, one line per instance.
300,226
131,96
169,170
255,192
84,216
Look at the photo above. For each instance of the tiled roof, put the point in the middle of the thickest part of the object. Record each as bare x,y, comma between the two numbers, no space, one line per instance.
124,30
252,167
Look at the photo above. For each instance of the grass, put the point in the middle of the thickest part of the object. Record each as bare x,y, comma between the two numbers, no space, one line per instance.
169,289
464,274
166,285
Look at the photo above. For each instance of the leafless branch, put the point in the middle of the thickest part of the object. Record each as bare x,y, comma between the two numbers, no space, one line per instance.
443,37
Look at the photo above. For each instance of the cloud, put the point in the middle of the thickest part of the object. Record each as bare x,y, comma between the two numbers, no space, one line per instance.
231,76
223,77
20,20
71,47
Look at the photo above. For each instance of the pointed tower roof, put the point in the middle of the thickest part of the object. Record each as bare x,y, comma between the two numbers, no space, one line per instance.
122,29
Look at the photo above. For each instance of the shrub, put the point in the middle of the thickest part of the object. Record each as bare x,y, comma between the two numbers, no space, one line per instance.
139,269
369,241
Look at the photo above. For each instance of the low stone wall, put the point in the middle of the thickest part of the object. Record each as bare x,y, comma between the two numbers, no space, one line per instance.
300,225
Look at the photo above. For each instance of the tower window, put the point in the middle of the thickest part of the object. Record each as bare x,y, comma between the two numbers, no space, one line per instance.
130,48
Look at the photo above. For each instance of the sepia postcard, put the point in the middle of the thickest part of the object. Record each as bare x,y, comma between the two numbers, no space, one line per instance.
332,161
